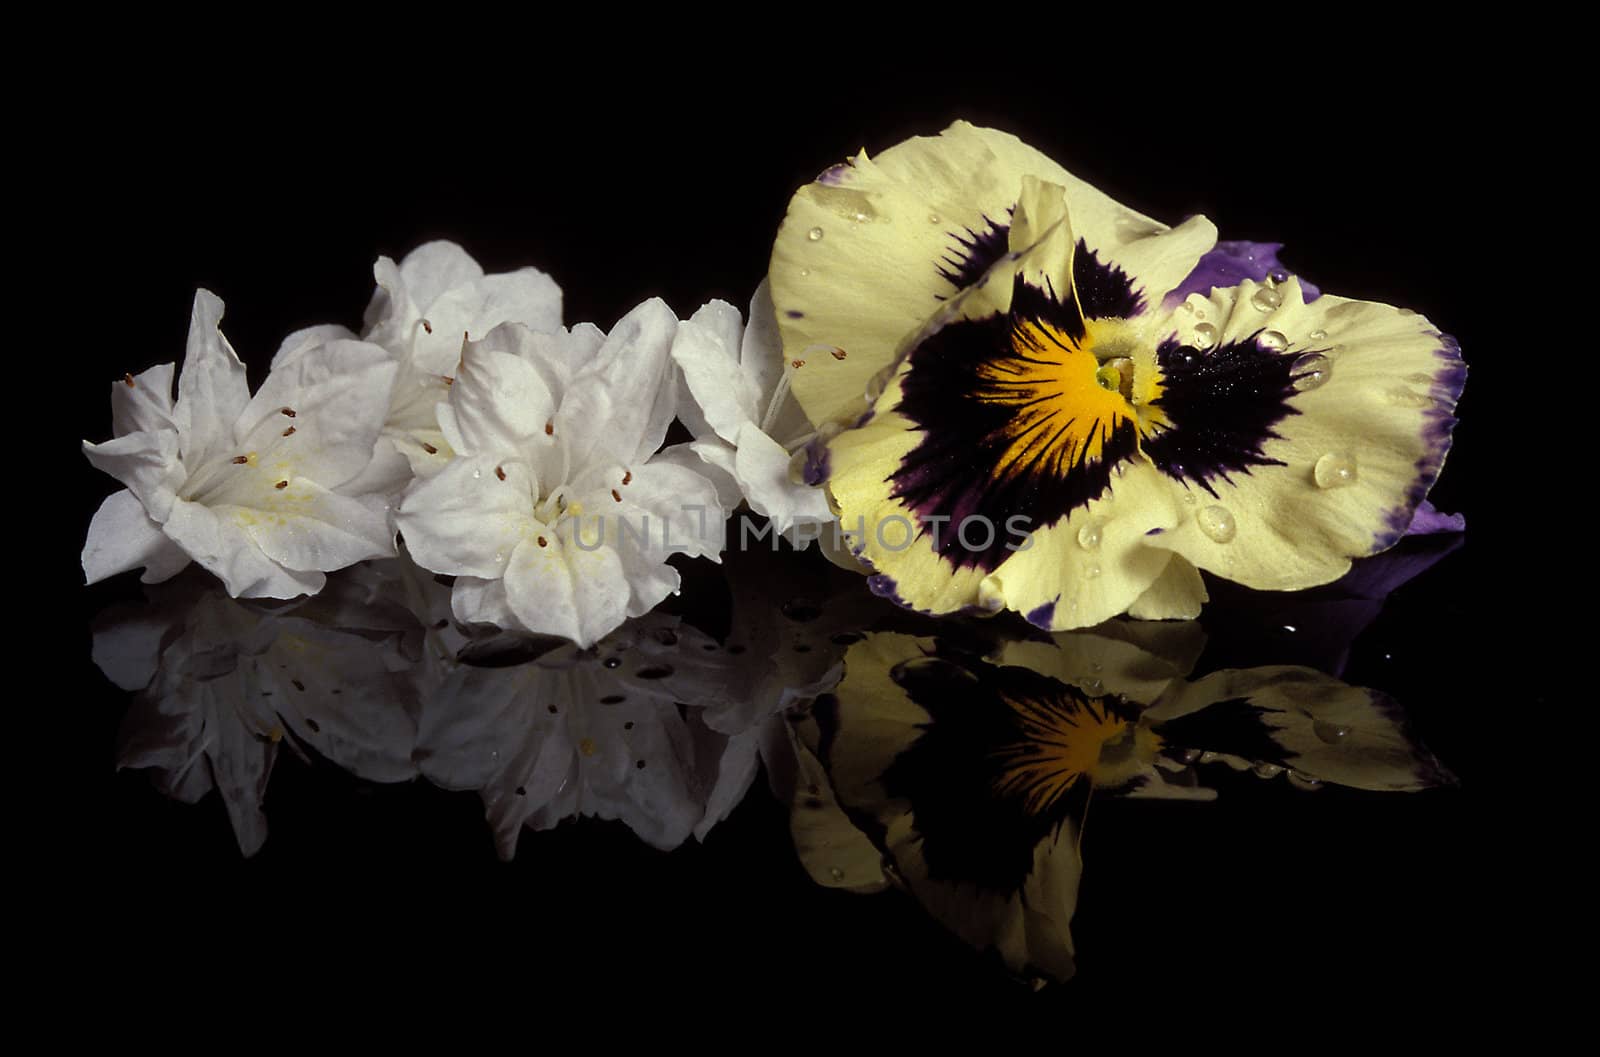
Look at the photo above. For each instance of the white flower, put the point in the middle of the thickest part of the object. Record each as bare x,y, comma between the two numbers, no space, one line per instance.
422,310
742,419
246,487
558,514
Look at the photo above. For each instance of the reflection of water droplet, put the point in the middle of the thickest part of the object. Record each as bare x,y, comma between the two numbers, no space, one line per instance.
801,610
814,234
1290,628
586,746
836,873
1310,370
1094,686
919,668
1089,535
654,671
1217,523
1304,781
1266,299
612,662
1334,470
1205,336
1209,757
1272,341
1189,755
1331,733
1267,770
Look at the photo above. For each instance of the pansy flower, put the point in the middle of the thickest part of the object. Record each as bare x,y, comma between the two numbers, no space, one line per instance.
558,513
1034,425
260,490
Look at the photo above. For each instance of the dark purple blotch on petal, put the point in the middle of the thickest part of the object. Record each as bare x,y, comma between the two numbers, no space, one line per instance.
816,469
1043,615
1224,405
834,175
794,313
974,253
1229,264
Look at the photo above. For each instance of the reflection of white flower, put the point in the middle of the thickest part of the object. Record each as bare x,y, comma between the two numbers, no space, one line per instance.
422,310
740,413
557,514
246,487
596,733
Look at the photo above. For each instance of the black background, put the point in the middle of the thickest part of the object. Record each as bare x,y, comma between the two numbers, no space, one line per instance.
276,187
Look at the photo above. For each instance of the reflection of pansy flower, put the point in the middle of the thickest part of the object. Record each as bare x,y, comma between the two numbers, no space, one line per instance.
969,766
1016,375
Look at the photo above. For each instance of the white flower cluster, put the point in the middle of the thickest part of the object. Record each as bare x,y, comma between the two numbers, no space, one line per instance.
520,456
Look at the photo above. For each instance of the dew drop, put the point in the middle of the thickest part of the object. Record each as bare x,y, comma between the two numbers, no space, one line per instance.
814,234
836,873
1266,299
1278,276
1094,686
1092,572
1272,341
476,474
611,662
1217,523
1316,335
1267,770
1089,535
933,218
1331,733
1205,336
1334,470
1310,371
1190,755
1304,781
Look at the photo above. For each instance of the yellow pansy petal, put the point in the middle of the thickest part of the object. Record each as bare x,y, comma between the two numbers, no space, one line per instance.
1360,429
1177,594
872,248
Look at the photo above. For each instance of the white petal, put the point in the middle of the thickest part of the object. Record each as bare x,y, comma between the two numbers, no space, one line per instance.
563,589
314,529
219,541
122,537
761,350
475,600
499,403
706,349
762,467
713,459
435,268
620,403
466,520
144,405
147,462
303,341
321,412
212,391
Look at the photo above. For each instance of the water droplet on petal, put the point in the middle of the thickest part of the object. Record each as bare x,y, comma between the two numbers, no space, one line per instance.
804,272
1331,733
1092,572
1334,470
1094,686
476,474
933,218
1316,335
1310,371
814,234
1089,535
1217,523
1266,299
1272,341
1304,781
612,662
1267,770
1209,757
1205,336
